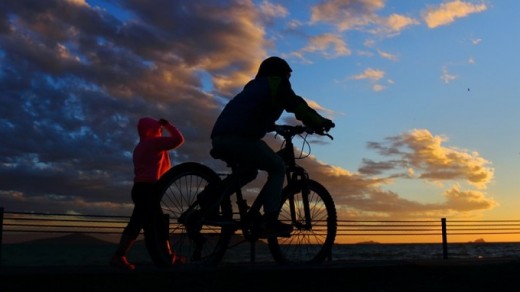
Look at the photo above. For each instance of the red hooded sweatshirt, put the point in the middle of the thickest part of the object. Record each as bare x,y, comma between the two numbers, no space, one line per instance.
151,159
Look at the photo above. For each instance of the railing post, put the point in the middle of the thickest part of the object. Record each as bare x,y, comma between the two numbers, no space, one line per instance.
444,239
1,229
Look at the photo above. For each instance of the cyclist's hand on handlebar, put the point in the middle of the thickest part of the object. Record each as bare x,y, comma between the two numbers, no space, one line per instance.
325,126
328,124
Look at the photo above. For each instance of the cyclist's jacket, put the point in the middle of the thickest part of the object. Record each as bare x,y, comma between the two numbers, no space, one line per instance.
150,156
253,112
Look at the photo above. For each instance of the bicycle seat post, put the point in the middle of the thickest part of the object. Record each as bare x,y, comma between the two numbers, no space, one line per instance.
243,209
241,202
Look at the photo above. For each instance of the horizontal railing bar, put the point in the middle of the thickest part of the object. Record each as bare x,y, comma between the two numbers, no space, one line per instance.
59,231
389,221
65,215
20,222
64,220
59,225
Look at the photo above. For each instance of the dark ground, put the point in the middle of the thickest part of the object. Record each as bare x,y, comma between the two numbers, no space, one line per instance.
424,275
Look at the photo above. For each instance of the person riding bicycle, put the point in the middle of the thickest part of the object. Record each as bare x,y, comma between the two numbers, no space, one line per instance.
246,119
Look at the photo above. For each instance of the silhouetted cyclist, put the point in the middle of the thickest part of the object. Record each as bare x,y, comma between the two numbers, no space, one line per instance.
243,123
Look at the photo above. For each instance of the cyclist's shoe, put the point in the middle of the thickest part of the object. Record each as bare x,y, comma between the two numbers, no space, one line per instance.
121,262
191,219
188,216
276,229
272,227
208,202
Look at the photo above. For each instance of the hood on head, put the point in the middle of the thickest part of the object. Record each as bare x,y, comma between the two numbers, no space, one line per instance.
148,127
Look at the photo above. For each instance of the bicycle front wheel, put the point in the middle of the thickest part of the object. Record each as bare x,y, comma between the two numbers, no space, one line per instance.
313,234
179,188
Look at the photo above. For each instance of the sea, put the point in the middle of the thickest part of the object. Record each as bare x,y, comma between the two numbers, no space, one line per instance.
413,251
407,251
84,251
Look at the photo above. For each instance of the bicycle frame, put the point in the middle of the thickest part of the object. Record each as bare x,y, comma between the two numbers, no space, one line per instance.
294,174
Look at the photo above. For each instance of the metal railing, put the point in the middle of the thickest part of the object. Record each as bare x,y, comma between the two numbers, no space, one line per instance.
28,222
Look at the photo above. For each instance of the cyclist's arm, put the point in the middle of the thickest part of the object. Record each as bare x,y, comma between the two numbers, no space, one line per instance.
293,103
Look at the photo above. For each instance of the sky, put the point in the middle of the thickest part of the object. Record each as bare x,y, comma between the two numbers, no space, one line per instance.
424,95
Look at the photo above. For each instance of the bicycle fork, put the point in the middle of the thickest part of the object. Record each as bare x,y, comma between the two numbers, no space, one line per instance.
299,178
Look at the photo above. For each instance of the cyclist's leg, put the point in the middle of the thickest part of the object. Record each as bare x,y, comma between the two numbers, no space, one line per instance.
270,195
209,199
266,159
231,149
256,154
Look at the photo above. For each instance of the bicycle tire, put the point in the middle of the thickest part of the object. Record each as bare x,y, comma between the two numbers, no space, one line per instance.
306,245
179,188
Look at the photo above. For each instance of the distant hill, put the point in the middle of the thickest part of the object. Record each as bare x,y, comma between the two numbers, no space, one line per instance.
480,240
74,239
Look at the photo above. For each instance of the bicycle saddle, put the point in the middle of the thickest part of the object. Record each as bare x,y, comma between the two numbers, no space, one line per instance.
224,155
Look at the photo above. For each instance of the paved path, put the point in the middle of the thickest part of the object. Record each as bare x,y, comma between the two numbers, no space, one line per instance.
399,275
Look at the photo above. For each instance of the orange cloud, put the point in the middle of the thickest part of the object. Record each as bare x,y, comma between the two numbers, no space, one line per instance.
360,15
328,45
447,13
417,155
430,160
459,200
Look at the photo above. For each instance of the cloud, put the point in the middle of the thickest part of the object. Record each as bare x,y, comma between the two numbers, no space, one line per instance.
273,10
328,45
447,77
448,12
396,22
378,87
430,160
368,196
374,75
387,55
369,73
75,79
360,15
466,201
413,156
476,41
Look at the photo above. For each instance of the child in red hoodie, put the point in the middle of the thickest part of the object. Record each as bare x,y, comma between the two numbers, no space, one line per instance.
151,161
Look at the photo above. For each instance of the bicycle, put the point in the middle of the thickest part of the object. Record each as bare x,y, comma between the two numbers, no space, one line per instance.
307,205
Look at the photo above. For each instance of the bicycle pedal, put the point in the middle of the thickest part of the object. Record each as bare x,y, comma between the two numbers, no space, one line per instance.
183,219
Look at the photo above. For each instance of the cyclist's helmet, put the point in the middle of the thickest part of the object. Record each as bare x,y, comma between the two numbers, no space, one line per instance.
274,66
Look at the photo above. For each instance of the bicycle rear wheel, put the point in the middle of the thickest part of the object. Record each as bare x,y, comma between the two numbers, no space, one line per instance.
179,188
308,243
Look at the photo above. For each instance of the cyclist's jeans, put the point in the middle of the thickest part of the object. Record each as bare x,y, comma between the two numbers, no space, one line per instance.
257,154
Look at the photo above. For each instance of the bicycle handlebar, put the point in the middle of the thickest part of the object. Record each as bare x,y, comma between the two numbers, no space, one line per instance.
288,131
